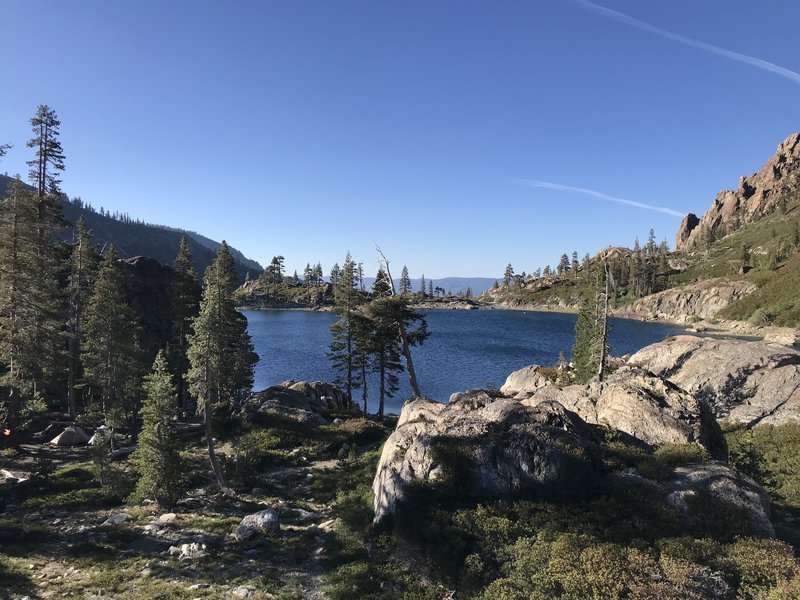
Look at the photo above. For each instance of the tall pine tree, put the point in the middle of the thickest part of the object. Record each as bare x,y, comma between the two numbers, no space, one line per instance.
343,353
184,304
221,354
110,351
83,268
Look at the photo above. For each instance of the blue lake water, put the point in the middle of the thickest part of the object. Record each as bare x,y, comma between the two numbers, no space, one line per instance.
466,349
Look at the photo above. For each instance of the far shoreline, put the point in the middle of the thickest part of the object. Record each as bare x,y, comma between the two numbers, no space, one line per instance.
785,336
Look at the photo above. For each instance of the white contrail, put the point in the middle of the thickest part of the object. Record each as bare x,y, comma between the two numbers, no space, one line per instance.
743,58
568,188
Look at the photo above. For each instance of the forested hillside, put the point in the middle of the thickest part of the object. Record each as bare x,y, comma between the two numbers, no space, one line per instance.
136,238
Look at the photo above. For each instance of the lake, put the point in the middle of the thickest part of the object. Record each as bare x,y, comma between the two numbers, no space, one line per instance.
466,349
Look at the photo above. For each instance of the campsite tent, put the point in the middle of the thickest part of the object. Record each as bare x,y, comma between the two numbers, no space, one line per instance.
71,436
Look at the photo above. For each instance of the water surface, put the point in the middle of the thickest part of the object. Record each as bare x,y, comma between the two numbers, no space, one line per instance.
466,349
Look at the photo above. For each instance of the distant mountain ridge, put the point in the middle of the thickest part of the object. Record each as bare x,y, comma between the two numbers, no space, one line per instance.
132,238
456,285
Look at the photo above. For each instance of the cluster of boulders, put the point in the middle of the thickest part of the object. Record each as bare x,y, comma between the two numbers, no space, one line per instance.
310,403
534,435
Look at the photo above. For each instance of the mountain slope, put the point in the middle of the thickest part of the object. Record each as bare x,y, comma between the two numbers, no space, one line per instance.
132,238
757,196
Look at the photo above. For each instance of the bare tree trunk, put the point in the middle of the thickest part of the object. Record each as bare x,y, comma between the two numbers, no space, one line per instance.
364,386
382,393
212,455
412,374
601,369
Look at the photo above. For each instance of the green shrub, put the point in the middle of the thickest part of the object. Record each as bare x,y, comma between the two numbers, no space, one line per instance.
770,455
762,564
667,457
758,317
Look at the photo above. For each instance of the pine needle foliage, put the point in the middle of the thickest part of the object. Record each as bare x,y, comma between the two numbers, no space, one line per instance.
157,460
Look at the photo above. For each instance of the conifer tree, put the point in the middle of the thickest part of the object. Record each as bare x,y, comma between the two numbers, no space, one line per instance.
32,307
83,269
110,351
221,355
590,351
343,353
184,304
508,275
18,348
422,286
563,265
157,460
382,285
585,352
336,273
49,159
405,282
389,318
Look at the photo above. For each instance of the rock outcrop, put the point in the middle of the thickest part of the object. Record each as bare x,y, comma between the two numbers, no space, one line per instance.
757,195
702,299
500,445
524,381
645,406
723,486
494,446
743,382
304,401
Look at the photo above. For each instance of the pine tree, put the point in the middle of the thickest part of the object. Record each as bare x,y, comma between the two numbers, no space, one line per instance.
430,287
343,353
18,347
422,286
585,355
110,352
32,306
382,285
590,351
184,304
508,275
157,460
405,282
336,273
563,265
49,159
220,352
387,316
83,269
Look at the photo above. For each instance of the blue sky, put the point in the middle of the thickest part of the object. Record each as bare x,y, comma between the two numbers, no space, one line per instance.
310,128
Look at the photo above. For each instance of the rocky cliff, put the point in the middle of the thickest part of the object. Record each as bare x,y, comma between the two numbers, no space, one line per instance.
702,299
757,195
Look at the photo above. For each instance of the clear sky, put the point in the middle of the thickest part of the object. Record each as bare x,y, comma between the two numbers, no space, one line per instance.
457,135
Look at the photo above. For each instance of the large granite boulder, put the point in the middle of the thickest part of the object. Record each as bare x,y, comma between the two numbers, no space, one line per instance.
499,445
723,487
743,382
642,405
304,401
525,380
